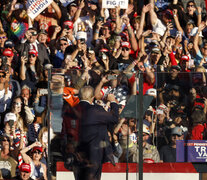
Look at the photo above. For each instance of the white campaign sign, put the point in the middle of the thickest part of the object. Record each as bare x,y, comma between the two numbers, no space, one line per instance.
114,3
66,2
35,7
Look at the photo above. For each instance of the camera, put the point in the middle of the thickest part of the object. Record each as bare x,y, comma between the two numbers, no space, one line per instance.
11,123
101,19
83,41
104,56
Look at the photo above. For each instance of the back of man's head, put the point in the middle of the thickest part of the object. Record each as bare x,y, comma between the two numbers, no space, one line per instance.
86,93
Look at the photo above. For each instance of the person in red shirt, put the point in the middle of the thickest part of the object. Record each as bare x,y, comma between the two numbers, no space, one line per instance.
198,118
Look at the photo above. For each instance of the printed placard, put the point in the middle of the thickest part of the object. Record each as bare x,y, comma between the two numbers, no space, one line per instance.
35,7
191,151
114,3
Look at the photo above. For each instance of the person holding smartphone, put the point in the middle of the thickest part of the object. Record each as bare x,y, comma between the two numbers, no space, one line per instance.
14,130
5,94
30,70
20,127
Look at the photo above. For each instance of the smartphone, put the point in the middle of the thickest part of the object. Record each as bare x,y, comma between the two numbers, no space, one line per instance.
83,41
104,56
3,60
43,91
101,19
11,123
179,34
24,53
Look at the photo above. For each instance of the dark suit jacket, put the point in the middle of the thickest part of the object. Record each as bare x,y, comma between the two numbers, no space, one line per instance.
93,138
42,51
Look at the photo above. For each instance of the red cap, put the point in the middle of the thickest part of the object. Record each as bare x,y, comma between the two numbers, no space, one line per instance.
148,160
32,51
126,44
185,58
37,148
25,167
104,50
69,24
8,52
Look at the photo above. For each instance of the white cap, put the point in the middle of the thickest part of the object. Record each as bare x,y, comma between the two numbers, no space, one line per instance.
81,35
194,32
177,131
159,111
146,129
151,92
10,116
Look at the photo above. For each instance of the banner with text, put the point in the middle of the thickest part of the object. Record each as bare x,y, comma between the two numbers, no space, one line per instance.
35,7
191,151
114,3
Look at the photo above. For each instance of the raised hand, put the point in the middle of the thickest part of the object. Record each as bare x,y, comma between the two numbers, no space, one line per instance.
23,59
57,29
202,26
146,8
81,4
199,9
146,33
130,9
117,10
126,20
99,25
169,26
104,79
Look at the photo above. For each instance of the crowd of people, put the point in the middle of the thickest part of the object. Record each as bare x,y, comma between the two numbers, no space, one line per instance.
97,55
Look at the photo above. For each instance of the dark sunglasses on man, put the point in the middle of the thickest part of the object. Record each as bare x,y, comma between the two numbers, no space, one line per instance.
33,33
32,55
125,49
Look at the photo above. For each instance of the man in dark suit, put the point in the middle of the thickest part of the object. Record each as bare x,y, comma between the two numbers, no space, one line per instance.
94,147
30,42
